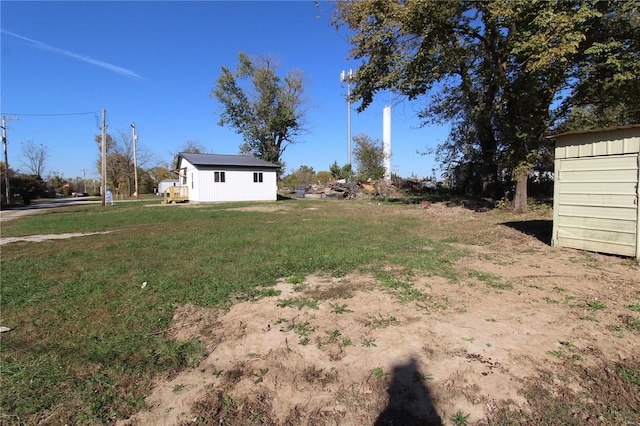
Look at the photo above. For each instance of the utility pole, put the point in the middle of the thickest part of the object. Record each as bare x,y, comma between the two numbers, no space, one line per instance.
6,157
135,161
347,78
84,180
103,184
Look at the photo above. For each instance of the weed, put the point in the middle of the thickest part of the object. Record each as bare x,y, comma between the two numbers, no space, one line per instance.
404,290
490,319
460,419
217,373
333,336
635,308
557,354
419,377
347,342
369,342
301,329
589,318
294,279
491,280
260,375
339,309
268,292
630,322
469,339
380,322
378,372
596,305
177,388
559,289
299,303
630,375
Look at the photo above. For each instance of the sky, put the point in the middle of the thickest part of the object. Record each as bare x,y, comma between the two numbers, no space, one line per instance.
154,63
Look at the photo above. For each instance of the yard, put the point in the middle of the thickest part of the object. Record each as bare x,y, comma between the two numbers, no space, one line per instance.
313,312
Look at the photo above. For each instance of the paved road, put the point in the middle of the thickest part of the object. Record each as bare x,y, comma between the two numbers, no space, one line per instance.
35,208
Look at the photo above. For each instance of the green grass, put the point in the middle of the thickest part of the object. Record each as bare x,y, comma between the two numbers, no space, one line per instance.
87,338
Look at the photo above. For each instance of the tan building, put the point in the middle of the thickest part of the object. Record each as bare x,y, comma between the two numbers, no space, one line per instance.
595,203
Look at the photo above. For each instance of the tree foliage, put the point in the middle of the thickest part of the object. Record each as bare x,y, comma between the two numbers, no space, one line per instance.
28,186
344,172
369,157
303,175
494,71
120,167
266,109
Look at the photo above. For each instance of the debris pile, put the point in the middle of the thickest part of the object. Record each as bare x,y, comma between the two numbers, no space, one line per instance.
350,190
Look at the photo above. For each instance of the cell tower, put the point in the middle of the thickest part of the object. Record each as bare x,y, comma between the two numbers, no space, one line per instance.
386,141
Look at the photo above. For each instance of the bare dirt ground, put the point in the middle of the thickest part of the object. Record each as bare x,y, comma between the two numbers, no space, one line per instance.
365,355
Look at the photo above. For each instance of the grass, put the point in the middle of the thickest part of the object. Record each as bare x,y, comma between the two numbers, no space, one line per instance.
87,338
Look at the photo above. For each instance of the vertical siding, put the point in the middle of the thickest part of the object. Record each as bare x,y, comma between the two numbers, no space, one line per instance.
238,185
596,199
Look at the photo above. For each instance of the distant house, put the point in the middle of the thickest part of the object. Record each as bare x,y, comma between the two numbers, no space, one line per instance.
214,177
596,191
164,185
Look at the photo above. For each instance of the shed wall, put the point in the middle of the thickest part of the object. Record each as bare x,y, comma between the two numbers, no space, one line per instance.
596,192
238,184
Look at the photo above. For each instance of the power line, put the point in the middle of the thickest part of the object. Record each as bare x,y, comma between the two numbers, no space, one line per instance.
49,115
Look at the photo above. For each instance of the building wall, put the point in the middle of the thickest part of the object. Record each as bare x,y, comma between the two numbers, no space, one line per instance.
163,185
596,191
238,184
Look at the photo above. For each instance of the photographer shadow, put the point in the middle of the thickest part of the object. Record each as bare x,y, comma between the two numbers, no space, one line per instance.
410,402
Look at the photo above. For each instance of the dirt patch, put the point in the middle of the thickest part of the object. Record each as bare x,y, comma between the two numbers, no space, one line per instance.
350,351
263,208
45,237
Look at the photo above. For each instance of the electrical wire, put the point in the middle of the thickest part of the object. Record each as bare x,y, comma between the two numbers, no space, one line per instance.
49,115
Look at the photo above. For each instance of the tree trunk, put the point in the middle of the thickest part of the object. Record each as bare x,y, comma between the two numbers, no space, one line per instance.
520,199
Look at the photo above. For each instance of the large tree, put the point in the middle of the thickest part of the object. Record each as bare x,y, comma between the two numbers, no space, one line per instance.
120,168
34,157
369,157
266,109
492,70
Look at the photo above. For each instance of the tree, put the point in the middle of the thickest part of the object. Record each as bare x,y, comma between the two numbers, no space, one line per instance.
267,110
493,70
369,157
34,157
304,174
344,172
191,147
612,59
28,186
120,169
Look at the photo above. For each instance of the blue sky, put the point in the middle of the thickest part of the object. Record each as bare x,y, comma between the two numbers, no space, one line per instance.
155,62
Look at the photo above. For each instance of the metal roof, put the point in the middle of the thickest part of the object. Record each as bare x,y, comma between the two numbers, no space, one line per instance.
213,160
597,130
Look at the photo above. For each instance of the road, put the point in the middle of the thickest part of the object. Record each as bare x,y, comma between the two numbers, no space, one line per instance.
38,207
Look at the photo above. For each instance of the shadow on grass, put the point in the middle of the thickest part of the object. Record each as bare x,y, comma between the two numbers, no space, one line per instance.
409,399
541,229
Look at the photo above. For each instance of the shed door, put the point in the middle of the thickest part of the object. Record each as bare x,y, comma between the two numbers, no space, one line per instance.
597,204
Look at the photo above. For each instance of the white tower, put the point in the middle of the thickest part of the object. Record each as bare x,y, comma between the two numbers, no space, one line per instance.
386,141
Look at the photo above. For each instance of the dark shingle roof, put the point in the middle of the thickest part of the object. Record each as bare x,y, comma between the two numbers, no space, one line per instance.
224,160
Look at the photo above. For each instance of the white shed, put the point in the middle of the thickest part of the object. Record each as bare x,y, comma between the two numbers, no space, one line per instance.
164,185
214,177
595,200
